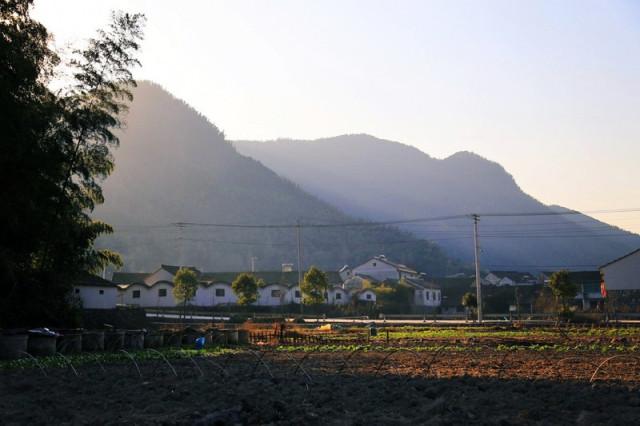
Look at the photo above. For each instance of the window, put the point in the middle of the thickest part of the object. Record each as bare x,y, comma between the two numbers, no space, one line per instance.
338,296
275,293
162,292
428,295
77,291
374,263
101,291
297,294
219,292
368,296
136,294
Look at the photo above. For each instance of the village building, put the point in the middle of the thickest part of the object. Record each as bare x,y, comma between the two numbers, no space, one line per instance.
509,278
380,268
623,273
622,279
95,293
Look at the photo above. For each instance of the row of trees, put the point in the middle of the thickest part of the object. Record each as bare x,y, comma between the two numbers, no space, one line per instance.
314,286
562,288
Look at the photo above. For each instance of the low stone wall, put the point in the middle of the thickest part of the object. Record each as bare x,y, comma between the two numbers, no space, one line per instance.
122,318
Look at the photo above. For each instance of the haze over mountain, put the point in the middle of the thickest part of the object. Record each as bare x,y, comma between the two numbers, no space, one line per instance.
383,180
173,165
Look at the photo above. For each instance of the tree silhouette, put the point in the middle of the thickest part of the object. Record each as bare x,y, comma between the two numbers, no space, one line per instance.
55,152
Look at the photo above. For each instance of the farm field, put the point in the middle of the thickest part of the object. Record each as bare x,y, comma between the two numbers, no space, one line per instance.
471,376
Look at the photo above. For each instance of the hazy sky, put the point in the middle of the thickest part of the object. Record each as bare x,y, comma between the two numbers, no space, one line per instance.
549,89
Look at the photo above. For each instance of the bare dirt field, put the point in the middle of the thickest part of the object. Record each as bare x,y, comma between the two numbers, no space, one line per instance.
480,386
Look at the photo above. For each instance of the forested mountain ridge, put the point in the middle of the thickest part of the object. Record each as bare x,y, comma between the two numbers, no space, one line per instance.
173,166
380,180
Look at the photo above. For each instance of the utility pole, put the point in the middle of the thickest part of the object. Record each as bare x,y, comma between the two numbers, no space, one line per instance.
299,237
253,263
476,242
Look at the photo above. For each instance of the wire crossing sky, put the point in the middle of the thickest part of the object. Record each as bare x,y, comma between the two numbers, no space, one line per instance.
550,90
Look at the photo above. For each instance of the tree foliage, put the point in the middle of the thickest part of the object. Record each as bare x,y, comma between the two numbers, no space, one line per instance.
314,286
245,286
185,285
469,301
396,297
562,288
56,150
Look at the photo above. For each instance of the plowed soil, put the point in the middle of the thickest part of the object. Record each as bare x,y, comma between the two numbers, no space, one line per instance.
355,388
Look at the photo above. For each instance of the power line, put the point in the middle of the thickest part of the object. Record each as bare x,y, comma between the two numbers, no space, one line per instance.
399,221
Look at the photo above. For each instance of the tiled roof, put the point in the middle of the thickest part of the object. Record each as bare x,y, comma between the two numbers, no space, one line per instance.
173,269
398,266
128,277
422,283
621,257
515,276
91,280
269,277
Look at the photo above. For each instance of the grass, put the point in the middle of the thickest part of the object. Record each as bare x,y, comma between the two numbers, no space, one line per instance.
557,348
57,361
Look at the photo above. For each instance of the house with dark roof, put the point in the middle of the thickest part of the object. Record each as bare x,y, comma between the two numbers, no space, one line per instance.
425,293
623,273
509,278
95,292
380,268
155,289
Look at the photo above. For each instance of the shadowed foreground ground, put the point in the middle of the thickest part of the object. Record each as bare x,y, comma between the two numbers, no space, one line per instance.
248,394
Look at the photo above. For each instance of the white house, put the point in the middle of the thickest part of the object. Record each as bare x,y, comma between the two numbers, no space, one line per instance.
509,278
294,294
380,268
425,293
623,273
214,294
273,295
345,273
95,292
159,294
337,295
366,295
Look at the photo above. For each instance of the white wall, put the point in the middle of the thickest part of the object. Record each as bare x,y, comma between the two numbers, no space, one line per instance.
266,299
363,296
334,299
623,274
377,269
291,295
149,296
432,297
206,295
346,274
92,299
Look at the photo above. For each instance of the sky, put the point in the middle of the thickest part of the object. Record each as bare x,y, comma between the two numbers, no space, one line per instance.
548,89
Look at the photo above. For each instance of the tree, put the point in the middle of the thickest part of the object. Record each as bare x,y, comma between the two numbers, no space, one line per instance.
245,286
562,288
469,301
314,286
185,285
56,149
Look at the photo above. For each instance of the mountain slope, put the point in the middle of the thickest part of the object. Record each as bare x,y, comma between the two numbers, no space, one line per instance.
175,166
381,180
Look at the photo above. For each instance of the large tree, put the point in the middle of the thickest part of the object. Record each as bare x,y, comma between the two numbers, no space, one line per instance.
314,286
55,151
563,288
245,286
185,286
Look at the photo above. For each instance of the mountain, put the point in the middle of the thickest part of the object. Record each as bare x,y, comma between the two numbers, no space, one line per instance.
384,180
173,165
